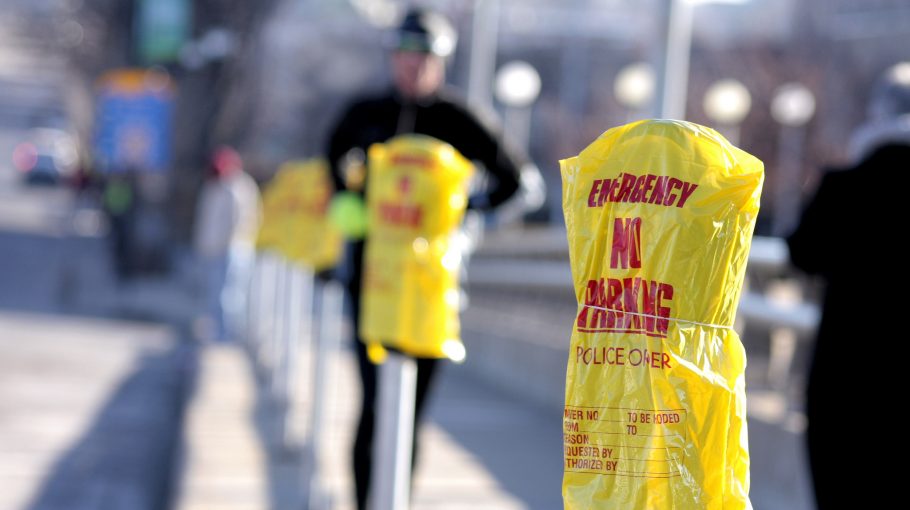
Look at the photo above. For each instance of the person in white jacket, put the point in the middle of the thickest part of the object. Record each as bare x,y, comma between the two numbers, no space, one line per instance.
227,220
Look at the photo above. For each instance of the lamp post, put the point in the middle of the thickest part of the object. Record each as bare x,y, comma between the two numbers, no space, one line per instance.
727,102
675,48
634,88
484,33
517,87
792,106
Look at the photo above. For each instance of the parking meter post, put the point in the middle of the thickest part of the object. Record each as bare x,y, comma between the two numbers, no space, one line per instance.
331,301
394,433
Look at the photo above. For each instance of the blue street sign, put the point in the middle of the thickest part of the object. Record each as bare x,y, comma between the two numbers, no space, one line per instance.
133,121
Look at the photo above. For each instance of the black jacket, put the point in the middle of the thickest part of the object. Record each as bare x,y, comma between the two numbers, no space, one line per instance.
442,117
850,235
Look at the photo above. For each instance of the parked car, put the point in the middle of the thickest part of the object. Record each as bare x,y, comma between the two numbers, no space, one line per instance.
46,156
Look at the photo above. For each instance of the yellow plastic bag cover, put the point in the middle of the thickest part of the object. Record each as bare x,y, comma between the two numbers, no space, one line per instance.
269,228
417,194
660,217
295,220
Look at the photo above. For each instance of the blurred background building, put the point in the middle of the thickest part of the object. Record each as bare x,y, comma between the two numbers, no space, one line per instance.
285,68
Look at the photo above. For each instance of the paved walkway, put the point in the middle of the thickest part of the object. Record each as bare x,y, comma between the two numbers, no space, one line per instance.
479,448
90,417
90,409
223,463
89,412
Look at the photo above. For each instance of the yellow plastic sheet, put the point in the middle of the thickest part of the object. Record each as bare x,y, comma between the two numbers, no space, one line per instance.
295,219
660,217
416,200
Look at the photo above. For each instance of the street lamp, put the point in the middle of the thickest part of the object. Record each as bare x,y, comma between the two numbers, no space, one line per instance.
517,84
675,47
517,87
634,87
727,102
792,107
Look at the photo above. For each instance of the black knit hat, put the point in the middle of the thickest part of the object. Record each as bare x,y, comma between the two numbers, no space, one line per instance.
426,31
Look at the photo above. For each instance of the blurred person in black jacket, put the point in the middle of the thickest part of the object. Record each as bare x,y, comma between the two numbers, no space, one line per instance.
418,104
849,235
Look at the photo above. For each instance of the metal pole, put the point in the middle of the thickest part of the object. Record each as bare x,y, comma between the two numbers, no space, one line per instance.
252,305
789,176
265,310
394,434
330,323
517,126
281,380
275,341
673,58
299,318
484,34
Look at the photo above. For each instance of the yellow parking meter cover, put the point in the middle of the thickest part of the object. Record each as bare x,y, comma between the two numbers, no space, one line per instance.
295,215
415,203
659,218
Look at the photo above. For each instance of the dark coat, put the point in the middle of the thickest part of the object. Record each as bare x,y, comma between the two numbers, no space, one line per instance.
852,234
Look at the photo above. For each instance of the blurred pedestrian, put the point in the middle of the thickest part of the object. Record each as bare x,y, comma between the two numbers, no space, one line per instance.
119,204
849,235
227,221
417,103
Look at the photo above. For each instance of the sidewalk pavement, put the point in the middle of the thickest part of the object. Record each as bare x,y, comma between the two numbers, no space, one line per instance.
90,416
223,463
479,448
484,444
89,410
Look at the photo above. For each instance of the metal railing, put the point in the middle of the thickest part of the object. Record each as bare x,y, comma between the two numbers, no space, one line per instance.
772,300
539,259
290,312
